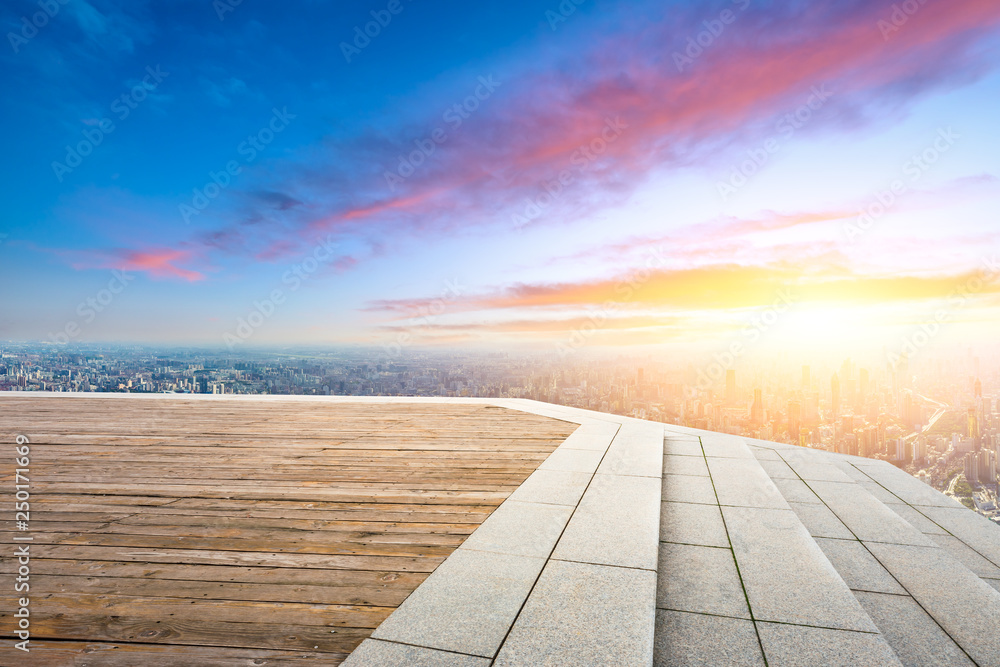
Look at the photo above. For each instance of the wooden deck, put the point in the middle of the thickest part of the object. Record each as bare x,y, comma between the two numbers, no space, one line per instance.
222,532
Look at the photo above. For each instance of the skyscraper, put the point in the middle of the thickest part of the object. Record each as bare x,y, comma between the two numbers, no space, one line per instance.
794,420
974,428
757,409
835,390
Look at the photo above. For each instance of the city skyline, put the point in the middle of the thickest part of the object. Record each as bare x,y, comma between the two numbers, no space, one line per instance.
938,419
734,178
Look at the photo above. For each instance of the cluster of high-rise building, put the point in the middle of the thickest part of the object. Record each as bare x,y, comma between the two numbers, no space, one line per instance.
936,421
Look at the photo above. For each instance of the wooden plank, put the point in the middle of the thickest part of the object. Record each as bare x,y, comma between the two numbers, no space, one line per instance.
424,563
180,532
184,630
301,546
93,654
78,604
328,592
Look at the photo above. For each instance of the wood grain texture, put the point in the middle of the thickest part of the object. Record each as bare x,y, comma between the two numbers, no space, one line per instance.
259,532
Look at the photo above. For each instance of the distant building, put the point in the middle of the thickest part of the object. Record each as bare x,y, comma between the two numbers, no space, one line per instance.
971,469
757,409
898,449
973,430
835,390
794,420
730,387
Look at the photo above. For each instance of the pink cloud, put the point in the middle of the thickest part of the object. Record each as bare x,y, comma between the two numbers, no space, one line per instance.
765,66
157,262
545,117
162,264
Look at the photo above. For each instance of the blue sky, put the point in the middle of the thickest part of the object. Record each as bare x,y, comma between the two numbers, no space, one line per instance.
670,123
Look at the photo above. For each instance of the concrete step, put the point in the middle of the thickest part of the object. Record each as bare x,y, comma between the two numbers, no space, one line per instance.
740,576
917,581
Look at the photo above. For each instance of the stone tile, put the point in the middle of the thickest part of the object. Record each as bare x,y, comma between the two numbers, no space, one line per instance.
768,444
583,615
858,568
682,447
995,583
544,409
726,446
777,469
743,483
467,605
520,529
572,460
795,490
810,470
681,432
851,471
684,465
917,640
594,436
688,489
820,521
687,523
764,454
967,556
787,577
962,603
881,494
700,579
694,640
553,487
974,529
917,519
375,653
867,518
617,523
796,646
636,450
909,489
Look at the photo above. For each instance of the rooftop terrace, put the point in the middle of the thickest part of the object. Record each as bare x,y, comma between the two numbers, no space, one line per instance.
179,530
